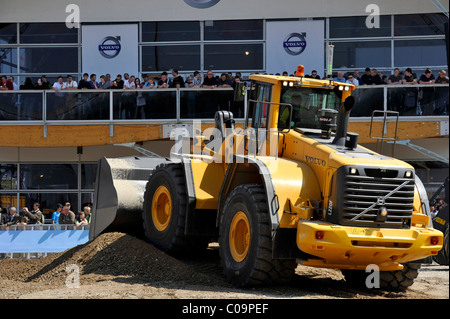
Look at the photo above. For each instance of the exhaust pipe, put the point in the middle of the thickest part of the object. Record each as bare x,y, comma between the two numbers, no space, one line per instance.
344,138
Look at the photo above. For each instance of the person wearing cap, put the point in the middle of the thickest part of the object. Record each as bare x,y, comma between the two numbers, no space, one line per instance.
69,205
56,213
71,84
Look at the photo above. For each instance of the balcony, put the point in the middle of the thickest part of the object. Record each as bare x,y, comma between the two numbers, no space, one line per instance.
105,117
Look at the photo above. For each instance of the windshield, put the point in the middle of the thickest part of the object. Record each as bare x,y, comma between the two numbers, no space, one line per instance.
307,104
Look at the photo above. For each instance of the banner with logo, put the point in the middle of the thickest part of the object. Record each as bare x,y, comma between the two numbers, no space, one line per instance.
111,48
290,43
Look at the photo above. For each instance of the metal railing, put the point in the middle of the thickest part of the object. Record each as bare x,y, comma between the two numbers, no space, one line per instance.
75,107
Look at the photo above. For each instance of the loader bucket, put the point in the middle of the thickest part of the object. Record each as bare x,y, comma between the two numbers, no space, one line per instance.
119,194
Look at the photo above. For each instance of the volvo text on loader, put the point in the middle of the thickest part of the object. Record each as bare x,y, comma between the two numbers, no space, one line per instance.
292,186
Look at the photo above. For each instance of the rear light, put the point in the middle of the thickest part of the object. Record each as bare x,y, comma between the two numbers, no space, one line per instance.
434,240
319,234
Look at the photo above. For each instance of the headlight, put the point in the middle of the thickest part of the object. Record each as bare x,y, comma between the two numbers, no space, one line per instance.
353,171
408,174
285,83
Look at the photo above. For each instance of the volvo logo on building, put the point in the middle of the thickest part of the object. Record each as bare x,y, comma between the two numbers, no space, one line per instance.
295,43
110,47
201,4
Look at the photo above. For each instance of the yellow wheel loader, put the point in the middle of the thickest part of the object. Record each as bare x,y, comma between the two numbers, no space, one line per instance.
291,187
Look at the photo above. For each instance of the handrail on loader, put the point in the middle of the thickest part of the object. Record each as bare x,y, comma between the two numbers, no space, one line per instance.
383,137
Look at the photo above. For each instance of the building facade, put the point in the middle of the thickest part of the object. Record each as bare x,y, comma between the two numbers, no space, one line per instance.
50,38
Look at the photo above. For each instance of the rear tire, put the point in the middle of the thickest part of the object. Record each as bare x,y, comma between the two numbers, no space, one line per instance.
245,243
442,257
164,215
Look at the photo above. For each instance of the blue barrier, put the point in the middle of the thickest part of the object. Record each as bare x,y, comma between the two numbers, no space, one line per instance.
46,240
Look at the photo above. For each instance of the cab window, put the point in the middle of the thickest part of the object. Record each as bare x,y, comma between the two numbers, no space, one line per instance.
260,109
307,105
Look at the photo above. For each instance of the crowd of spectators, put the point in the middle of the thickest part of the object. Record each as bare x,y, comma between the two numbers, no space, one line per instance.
405,98
63,215
437,206
370,77
374,77
128,81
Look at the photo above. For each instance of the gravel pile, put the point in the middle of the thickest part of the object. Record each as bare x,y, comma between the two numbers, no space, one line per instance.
110,256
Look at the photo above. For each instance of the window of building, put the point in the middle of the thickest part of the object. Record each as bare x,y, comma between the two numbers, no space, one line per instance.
362,54
410,53
47,33
45,60
8,176
48,201
234,56
48,176
167,57
8,60
170,31
8,33
48,184
234,30
355,27
88,175
419,24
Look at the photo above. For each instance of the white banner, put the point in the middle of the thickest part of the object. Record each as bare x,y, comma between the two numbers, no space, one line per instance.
290,43
111,48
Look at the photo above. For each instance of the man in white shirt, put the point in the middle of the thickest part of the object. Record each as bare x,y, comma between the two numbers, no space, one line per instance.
129,83
59,84
351,80
70,84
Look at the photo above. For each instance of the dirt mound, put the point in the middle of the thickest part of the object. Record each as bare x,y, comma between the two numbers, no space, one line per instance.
110,256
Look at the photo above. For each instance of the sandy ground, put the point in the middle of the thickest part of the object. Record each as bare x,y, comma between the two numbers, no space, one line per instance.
118,266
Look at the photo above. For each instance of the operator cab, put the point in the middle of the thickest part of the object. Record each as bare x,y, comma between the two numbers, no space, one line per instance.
313,109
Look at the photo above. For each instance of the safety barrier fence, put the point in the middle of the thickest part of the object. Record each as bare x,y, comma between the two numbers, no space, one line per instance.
26,240
74,107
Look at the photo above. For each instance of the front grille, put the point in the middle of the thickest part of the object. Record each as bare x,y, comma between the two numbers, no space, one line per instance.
360,192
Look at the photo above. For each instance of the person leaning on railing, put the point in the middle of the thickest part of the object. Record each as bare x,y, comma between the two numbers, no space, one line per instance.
13,217
442,94
81,220
66,216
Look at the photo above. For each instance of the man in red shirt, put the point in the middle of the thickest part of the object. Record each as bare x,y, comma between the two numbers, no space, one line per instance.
5,84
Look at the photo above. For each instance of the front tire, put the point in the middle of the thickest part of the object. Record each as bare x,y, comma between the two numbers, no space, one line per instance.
245,244
389,280
164,215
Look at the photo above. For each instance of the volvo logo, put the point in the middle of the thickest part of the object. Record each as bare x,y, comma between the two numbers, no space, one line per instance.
110,47
201,4
381,201
295,43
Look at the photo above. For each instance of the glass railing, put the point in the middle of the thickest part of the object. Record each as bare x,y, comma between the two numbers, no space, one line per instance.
89,106
408,100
